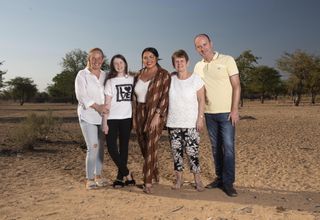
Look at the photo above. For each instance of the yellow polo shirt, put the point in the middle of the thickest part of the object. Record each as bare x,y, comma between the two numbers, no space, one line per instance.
216,76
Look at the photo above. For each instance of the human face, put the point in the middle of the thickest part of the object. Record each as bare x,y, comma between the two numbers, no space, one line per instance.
204,47
96,60
119,65
149,60
180,64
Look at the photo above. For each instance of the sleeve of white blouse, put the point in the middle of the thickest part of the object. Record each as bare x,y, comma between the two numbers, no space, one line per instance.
198,82
108,88
81,91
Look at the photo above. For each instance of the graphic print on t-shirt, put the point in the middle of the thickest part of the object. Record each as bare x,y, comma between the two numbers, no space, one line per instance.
124,92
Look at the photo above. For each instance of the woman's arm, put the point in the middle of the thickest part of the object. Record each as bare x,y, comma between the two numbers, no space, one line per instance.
105,116
162,107
83,97
201,104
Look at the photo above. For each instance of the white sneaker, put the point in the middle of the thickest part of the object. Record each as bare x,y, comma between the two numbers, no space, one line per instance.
101,182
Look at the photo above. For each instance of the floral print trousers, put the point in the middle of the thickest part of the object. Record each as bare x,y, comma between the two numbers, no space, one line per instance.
187,139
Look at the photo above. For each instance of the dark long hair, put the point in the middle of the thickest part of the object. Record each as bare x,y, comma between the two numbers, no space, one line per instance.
153,51
113,73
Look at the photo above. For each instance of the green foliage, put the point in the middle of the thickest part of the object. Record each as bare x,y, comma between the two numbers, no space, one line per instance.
62,87
303,69
41,97
246,64
264,81
22,89
2,72
34,128
74,61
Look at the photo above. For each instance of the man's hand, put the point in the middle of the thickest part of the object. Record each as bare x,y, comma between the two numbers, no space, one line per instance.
234,117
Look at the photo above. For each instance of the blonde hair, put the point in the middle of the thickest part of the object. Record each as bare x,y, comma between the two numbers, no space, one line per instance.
93,50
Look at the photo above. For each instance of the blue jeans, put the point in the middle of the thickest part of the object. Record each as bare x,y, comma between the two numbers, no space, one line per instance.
221,134
94,139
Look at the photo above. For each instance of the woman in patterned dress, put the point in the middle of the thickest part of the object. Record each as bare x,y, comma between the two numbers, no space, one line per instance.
151,105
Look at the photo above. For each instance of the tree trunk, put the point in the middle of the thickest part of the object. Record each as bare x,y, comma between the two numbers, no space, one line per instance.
241,97
313,98
21,101
299,93
297,99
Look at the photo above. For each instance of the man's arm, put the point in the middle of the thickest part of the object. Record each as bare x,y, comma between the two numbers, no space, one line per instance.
236,90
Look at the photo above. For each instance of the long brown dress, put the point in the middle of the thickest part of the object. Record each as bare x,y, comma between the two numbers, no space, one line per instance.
157,98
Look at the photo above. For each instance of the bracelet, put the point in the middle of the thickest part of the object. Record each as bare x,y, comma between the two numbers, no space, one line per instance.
158,111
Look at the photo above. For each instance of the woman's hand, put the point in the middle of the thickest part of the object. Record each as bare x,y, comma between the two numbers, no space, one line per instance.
155,121
105,128
102,109
200,124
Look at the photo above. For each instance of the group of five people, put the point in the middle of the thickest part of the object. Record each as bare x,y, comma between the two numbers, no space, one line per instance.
109,104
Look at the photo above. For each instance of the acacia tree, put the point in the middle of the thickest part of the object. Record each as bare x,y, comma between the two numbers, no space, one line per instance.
63,83
300,65
246,63
63,87
313,82
264,81
2,72
74,61
22,89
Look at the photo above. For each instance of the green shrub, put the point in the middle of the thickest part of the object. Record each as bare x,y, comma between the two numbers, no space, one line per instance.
35,128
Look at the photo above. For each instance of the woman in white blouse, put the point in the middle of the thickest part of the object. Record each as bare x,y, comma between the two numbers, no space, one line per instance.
185,117
89,88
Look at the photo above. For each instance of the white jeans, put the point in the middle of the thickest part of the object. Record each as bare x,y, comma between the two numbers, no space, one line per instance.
94,139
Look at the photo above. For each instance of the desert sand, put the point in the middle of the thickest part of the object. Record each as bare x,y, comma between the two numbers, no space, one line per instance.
277,171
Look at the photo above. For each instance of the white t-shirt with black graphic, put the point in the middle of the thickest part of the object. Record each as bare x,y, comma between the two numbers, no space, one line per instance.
120,89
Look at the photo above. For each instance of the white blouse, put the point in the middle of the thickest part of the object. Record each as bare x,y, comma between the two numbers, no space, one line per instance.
89,90
183,101
141,90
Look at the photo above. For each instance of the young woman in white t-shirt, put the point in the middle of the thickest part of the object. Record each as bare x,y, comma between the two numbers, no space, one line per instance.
185,117
117,122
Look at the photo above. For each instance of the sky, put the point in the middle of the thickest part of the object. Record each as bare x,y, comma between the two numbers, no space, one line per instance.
36,34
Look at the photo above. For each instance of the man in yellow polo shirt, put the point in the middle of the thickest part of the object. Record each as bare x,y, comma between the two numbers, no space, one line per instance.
222,84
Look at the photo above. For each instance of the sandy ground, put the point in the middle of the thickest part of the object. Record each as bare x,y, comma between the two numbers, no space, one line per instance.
277,172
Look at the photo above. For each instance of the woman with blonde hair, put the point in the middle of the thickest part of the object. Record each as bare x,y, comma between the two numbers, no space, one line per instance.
89,89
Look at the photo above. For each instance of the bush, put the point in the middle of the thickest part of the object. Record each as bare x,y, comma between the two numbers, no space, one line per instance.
35,128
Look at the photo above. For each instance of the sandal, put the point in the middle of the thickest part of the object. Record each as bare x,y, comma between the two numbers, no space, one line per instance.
179,181
118,184
199,187
101,182
198,183
147,189
131,182
91,185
